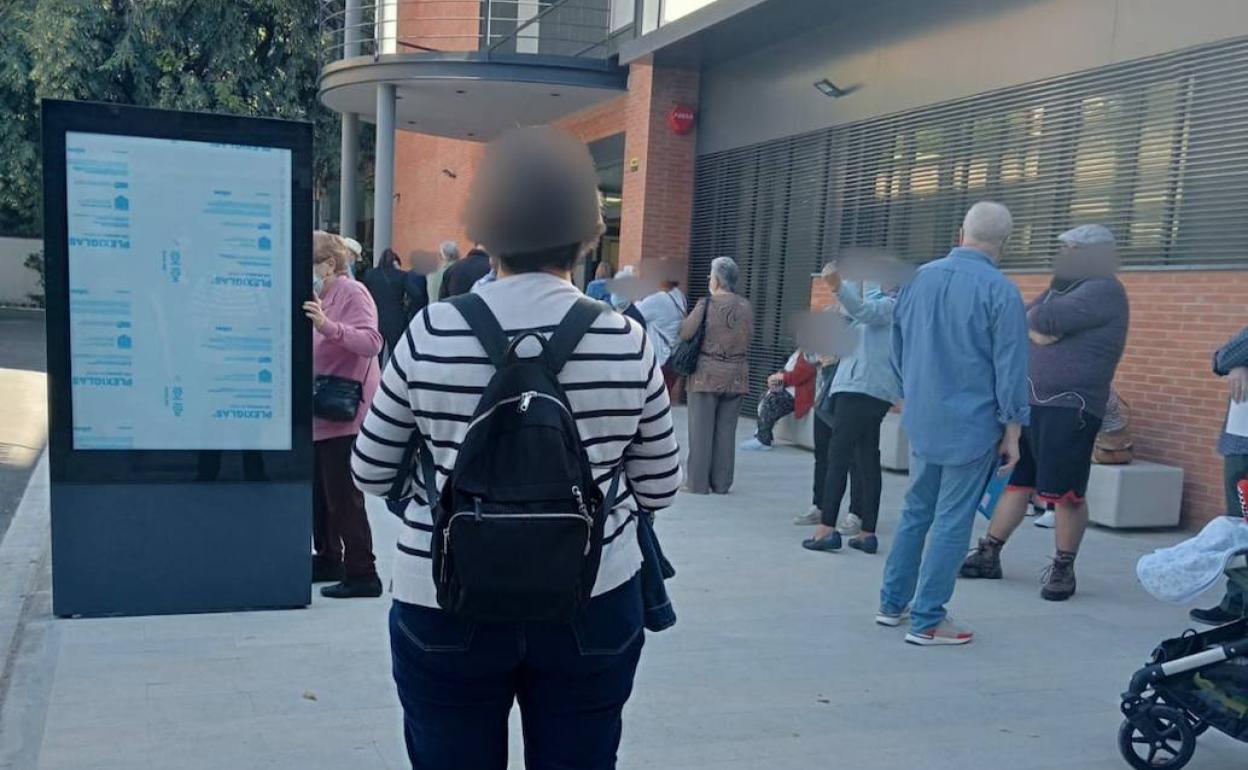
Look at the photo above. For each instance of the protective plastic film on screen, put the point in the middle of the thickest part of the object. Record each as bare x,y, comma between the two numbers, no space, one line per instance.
179,314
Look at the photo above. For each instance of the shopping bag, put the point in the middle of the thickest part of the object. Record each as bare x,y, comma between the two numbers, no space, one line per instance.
997,481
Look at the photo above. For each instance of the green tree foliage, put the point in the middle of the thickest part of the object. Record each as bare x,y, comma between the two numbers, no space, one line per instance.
246,57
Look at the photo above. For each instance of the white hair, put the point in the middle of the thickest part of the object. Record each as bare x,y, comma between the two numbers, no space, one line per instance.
354,245
989,224
449,250
724,270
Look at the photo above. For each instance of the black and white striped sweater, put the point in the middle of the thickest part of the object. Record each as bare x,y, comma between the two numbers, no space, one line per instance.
435,379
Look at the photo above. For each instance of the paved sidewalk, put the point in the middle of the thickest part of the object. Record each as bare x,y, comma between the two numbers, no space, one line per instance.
775,664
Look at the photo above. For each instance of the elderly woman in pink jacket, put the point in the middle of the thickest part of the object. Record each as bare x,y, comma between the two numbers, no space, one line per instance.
344,358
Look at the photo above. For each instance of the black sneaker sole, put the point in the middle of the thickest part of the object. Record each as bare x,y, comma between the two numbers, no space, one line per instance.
977,575
1055,596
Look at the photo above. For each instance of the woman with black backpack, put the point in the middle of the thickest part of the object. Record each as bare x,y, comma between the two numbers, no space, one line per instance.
538,424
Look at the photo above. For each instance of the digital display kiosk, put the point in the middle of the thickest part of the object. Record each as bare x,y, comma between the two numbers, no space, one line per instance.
178,253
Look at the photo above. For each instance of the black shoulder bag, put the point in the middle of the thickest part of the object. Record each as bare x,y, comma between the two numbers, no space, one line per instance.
684,359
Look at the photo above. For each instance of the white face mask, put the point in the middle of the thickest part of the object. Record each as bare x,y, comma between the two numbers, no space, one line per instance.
318,284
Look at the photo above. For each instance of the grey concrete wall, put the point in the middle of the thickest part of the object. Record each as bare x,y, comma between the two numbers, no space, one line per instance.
17,282
909,53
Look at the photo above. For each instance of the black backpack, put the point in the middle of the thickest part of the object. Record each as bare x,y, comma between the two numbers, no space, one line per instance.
518,525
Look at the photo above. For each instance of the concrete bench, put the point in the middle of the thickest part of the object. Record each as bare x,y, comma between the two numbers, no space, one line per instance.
797,432
894,446
1141,494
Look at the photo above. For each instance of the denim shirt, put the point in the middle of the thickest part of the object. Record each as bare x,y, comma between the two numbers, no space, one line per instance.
869,368
658,614
960,351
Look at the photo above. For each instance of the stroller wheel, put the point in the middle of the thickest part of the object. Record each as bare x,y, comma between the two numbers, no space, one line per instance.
1169,743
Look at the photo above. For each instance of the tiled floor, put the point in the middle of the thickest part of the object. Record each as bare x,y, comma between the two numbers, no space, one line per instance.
775,664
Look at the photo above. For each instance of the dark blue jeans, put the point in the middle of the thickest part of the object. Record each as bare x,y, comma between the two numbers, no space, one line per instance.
457,681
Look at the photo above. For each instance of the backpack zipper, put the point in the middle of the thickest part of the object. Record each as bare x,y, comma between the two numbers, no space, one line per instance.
524,398
584,518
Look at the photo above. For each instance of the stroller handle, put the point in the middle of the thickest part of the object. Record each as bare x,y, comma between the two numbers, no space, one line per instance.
1147,676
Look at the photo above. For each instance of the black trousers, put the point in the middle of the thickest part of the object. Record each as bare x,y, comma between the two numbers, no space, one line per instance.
340,531
823,438
854,443
1234,468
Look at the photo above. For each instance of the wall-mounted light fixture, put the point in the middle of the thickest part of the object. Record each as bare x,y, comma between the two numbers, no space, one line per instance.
830,89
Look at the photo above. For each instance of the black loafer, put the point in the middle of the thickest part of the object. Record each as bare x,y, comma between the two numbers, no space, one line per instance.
1214,616
355,588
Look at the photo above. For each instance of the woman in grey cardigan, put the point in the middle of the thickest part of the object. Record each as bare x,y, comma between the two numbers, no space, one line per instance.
720,381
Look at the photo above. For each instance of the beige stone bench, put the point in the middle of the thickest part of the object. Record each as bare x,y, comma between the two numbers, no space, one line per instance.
797,432
894,446
1141,494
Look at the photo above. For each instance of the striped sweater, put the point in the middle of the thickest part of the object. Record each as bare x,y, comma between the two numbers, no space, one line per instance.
436,377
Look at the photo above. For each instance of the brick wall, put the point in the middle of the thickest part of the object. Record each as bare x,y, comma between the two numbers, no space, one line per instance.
658,196
597,122
1177,405
445,25
429,203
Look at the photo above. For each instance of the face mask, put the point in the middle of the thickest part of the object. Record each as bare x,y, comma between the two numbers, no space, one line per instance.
619,303
318,283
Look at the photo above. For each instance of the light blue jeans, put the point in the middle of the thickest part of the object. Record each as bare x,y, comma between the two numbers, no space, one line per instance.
939,512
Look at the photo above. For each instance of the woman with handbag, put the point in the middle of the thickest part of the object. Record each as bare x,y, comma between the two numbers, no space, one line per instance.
723,323
344,361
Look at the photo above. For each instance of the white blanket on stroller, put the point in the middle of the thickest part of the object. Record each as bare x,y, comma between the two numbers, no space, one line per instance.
1182,572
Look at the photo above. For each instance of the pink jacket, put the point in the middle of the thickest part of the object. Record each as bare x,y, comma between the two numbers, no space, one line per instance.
347,346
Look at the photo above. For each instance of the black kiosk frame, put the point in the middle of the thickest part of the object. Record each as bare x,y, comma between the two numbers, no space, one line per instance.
155,531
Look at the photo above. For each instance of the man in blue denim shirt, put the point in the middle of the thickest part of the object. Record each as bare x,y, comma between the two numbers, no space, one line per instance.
960,351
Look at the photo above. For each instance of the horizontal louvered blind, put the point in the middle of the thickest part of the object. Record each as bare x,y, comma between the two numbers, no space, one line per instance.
1155,149
764,206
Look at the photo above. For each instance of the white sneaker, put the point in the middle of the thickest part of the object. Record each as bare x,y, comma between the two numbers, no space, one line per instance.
892,620
754,445
1048,520
945,633
851,526
808,519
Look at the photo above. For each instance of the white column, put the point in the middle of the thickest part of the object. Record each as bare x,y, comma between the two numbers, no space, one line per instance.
348,178
383,170
387,26
348,205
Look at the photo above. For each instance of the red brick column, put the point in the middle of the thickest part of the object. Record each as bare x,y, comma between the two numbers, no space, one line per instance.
658,169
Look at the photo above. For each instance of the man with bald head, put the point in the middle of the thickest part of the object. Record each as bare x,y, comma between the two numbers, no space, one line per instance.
960,353
1078,332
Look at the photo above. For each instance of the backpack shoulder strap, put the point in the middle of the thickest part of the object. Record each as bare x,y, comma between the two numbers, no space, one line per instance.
571,329
484,325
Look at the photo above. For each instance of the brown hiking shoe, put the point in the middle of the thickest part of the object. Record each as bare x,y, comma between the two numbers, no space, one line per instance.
983,562
1058,581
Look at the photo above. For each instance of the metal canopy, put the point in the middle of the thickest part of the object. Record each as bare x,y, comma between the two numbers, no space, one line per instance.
471,96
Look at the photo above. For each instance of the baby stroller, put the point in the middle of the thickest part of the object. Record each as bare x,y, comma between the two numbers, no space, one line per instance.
1194,682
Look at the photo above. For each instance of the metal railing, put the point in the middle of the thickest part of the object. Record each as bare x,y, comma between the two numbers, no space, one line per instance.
374,28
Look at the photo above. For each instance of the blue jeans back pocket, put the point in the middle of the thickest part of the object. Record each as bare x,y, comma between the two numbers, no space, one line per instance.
611,623
433,630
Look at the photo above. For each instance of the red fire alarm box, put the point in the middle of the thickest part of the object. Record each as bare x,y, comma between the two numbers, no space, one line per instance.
681,119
